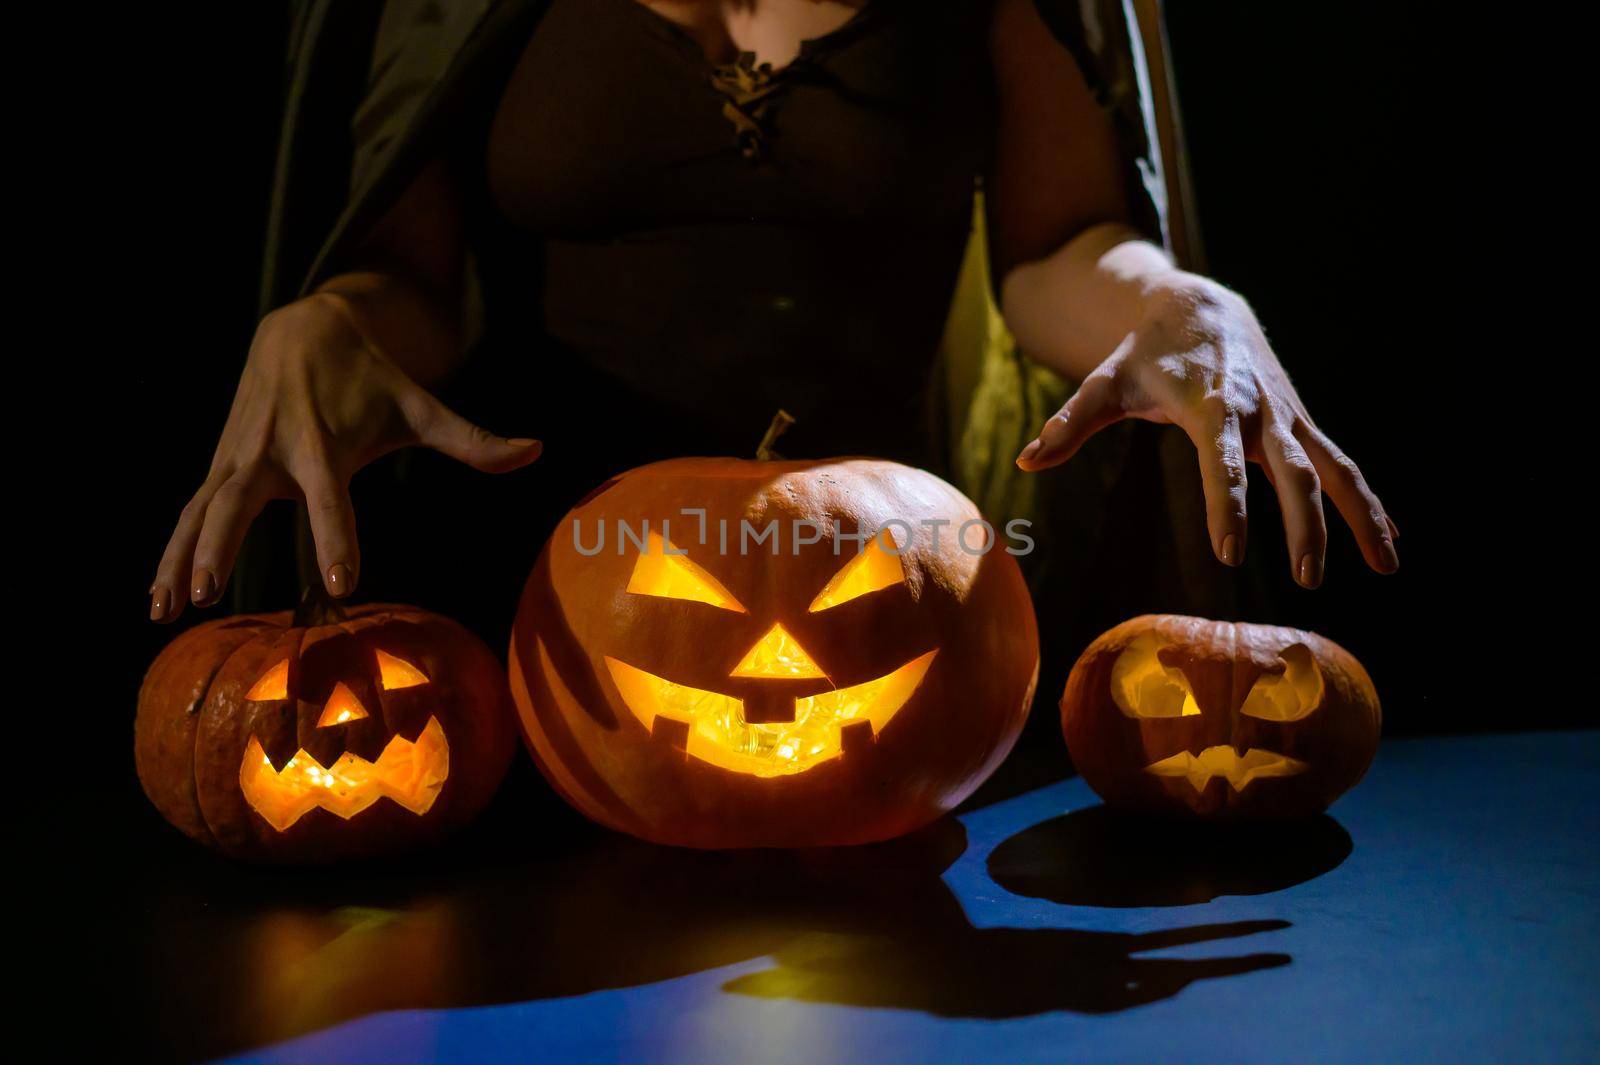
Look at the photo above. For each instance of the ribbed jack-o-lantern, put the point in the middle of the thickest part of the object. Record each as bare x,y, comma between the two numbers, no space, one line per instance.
1219,720
689,684
326,736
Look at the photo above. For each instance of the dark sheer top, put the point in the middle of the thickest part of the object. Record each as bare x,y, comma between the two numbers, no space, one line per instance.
720,241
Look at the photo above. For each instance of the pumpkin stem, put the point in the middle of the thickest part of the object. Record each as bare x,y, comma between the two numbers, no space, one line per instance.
317,608
780,425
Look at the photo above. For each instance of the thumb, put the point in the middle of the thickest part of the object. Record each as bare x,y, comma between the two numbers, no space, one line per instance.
1090,409
447,432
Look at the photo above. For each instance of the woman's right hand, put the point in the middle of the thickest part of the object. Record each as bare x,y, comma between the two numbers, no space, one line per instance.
316,402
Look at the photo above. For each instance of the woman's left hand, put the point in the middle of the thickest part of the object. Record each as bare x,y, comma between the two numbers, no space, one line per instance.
1198,360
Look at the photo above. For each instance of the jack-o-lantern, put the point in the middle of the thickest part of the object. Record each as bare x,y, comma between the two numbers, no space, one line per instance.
772,653
1219,720
322,735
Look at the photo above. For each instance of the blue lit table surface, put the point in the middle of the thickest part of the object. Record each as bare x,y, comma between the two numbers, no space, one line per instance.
1446,910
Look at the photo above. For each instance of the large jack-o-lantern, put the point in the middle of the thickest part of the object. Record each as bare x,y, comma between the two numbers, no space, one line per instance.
1219,720
691,684
326,736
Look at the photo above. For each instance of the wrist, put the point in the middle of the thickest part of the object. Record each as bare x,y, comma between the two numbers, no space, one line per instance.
312,321
396,319
1181,300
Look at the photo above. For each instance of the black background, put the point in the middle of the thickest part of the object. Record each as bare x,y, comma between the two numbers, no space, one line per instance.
1376,177
1354,168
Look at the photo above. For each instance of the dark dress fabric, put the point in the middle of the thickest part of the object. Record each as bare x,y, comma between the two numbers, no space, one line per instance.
720,241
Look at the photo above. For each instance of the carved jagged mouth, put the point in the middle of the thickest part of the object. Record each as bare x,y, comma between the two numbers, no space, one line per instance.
714,730
1239,770
410,773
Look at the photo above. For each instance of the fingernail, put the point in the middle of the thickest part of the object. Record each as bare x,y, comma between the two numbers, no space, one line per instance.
1310,572
1030,451
341,582
1394,530
1386,553
160,599
522,441
1230,549
205,588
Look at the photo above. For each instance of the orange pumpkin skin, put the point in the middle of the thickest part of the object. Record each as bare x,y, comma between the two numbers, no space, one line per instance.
196,722
578,620
1316,740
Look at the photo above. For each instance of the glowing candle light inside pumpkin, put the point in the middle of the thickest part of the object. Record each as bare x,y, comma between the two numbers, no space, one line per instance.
816,647
409,773
294,723
1219,720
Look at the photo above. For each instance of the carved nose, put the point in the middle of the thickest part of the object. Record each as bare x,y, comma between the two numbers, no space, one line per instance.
342,706
778,656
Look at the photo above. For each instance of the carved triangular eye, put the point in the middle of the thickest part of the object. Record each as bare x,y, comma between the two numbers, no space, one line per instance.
274,684
875,568
1143,686
398,673
1290,695
666,574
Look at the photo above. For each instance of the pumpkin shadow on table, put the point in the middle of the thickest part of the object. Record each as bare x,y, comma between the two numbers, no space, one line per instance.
230,957
1104,857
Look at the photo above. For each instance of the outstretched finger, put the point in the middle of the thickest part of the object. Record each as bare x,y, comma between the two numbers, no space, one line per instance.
1357,502
1221,455
442,429
1091,408
333,528
1299,491
170,590
234,506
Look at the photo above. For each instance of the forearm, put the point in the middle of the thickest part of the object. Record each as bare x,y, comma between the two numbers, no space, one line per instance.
1072,308
406,323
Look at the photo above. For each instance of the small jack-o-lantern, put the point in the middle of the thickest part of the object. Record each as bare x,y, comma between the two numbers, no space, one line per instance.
1219,720
324,734
848,677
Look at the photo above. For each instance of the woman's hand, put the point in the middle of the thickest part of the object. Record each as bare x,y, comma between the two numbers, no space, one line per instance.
1197,359
315,403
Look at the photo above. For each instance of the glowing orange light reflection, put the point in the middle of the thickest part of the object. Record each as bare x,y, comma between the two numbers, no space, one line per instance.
396,673
720,736
274,684
777,654
408,773
875,568
1239,770
663,573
